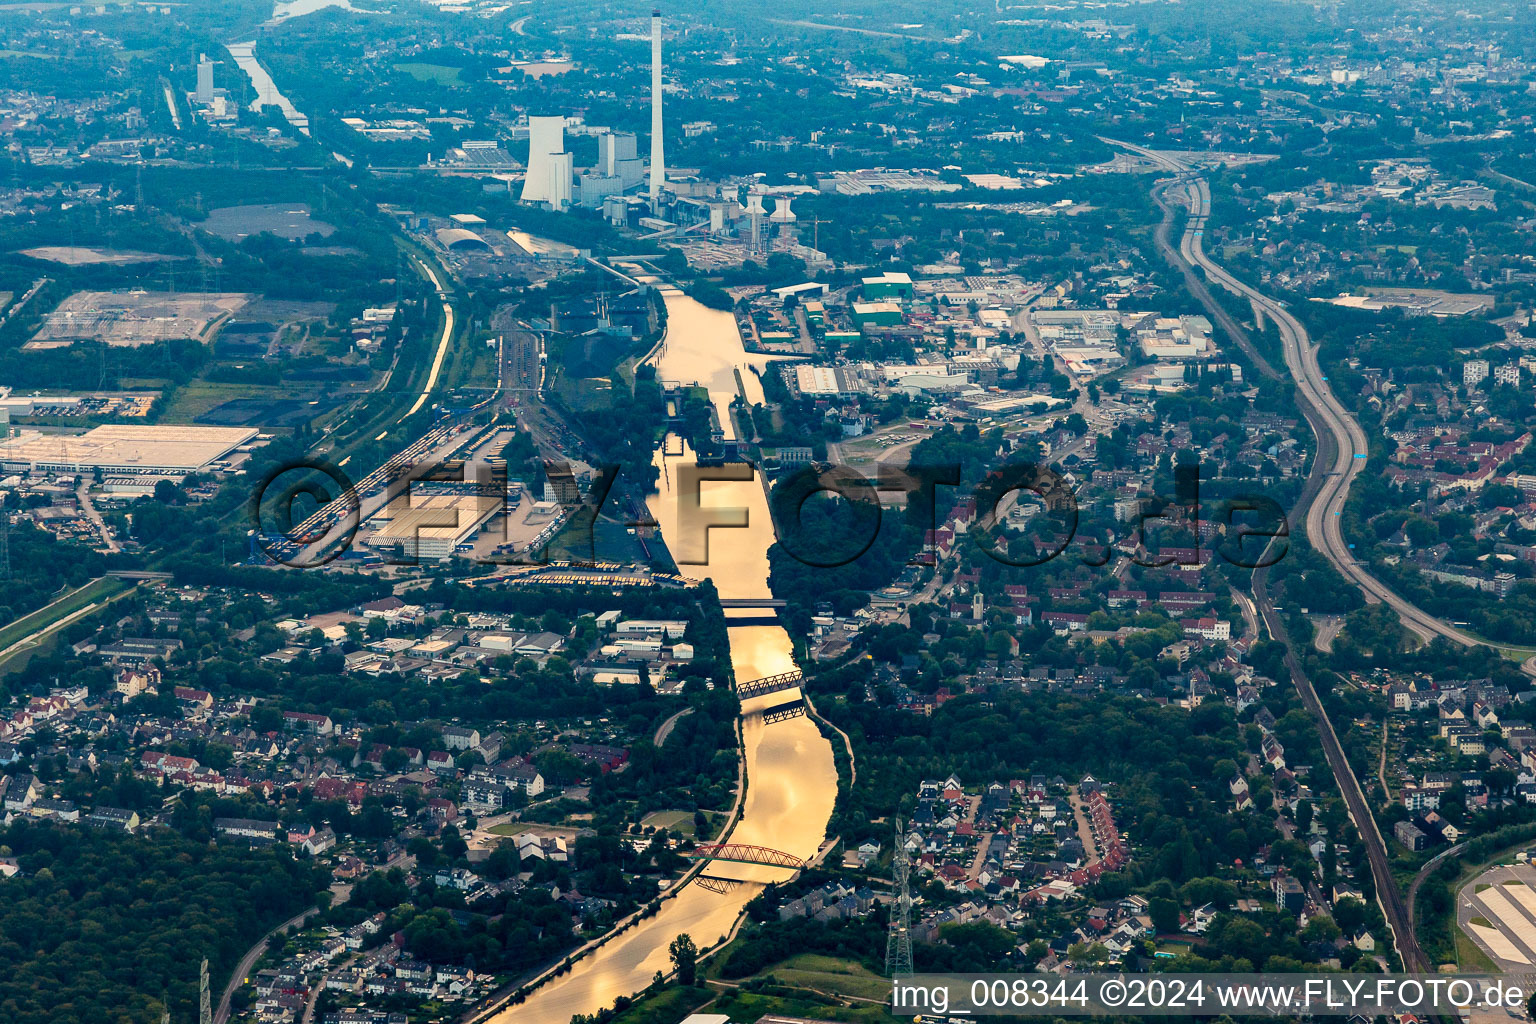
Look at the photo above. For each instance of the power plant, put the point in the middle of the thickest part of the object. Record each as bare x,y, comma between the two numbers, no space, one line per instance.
551,176
631,192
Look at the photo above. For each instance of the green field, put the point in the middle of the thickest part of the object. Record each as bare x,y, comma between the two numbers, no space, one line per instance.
442,74
681,822
97,590
830,974
1470,956
677,821
201,396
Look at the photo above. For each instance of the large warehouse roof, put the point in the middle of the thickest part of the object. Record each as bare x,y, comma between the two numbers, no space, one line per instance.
460,238
123,448
432,525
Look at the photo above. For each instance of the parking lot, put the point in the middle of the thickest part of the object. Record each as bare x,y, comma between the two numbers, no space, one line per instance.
1497,910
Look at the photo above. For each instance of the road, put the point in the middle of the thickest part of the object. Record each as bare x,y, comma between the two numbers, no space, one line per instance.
1250,614
1381,770
33,639
243,968
665,729
1328,627
83,496
48,626
1429,865
1196,286
1339,439
170,103
1345,453
443,342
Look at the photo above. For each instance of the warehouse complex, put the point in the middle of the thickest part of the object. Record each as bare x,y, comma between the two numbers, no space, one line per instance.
432,527
123,450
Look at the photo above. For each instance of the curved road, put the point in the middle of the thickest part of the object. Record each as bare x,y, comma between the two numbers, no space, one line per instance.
442,345
665,728
1326,415
1339,439
243,968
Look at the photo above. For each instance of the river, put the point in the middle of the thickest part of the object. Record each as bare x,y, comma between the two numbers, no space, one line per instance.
791,780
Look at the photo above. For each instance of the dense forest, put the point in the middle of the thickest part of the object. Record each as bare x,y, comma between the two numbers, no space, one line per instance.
40,567
100,927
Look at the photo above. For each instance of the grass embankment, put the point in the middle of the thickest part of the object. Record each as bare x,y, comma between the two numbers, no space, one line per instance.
98,590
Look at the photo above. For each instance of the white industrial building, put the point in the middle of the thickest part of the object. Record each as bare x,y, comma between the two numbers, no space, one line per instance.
123,450
614,148
595,189
562,170
431,527
827,380
1187,337
204,81
672,629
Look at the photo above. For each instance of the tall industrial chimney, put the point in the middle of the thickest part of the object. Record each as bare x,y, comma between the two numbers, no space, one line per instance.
658,159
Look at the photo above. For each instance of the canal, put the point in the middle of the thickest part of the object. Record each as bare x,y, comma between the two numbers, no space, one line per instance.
267,93
791,780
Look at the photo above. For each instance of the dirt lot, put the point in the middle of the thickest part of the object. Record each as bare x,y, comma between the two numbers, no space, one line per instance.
135,318
83,256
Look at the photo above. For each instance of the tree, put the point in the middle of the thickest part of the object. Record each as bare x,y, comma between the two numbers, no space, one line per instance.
1303,816
685,958
1350,915
1164,914
454,845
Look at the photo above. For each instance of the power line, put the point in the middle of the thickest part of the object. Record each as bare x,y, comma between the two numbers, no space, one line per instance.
898,941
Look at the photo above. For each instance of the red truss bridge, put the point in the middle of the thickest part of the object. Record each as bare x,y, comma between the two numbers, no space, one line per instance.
769,684
741,853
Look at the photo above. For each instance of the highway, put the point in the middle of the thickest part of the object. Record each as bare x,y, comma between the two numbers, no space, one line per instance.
1342,444
339,519
1339,440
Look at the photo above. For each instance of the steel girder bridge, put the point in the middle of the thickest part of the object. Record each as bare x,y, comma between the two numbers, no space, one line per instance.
743,853
769,684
